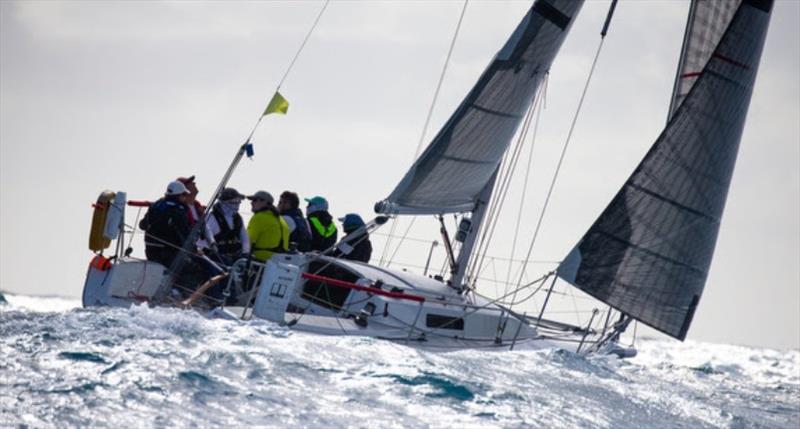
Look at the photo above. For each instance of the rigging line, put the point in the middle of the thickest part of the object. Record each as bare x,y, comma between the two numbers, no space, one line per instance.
571,292
488,226
291,64
487,255
294,59
491,302
477,265
388,241
303,45
133,230
538,101
441,80
425,130
396,249
524,193
504,184
507,166
561,157
483,244
168,244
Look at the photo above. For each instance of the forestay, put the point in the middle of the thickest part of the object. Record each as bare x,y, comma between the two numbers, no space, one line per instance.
648,253
464,155
707,22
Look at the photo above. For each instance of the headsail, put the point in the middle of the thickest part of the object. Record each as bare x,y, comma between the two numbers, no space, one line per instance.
707,22
464,155
648,253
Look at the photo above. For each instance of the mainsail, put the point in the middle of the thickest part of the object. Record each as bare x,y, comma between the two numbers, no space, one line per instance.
648,253
464,155
707,22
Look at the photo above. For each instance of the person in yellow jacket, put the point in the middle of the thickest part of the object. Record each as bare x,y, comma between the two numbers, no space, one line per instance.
268,232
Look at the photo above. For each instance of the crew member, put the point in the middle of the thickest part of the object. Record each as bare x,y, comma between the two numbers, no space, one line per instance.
226,227
355,247
267,230
323,229
195,210
166,225
299,231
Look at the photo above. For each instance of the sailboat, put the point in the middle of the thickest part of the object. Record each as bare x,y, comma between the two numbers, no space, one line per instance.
646,256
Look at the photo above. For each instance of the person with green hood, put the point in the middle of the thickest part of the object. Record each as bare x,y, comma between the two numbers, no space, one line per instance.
323,229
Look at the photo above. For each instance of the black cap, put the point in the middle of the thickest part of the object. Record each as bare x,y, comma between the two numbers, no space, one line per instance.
230,194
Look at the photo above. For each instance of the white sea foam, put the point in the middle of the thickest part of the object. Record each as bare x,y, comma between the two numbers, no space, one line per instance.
143,367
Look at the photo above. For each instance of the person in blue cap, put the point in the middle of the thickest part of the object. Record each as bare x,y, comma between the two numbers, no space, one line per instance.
323,229
355,247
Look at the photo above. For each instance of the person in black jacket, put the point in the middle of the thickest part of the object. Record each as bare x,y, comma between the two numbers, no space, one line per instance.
299,231
166,225
359,246
323,230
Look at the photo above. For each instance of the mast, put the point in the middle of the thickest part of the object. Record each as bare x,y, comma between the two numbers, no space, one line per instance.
476,219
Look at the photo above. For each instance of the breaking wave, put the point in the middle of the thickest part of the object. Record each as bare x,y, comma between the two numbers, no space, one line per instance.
63,366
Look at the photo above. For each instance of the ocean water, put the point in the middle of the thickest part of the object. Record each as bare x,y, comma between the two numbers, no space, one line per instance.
63,366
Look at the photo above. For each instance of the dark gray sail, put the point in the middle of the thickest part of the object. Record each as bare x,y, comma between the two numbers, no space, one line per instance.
464,155
648,253
707,22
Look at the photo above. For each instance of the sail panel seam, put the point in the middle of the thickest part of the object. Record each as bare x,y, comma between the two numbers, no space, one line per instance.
550,13
673,202
496,113
649,252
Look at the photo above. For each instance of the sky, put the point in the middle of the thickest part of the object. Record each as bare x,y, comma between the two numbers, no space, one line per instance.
129,95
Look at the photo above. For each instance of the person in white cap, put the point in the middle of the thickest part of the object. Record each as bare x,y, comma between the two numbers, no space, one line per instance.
166,225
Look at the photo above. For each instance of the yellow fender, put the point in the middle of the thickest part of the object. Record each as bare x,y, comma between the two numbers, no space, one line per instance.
97,240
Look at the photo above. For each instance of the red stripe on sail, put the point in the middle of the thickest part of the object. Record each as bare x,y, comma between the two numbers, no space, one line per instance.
731,61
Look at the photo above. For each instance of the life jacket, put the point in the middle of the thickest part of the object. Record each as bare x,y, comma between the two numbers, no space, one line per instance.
323,230
229,240
301,235
268,234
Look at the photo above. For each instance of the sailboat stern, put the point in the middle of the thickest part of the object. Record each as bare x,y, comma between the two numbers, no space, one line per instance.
121,283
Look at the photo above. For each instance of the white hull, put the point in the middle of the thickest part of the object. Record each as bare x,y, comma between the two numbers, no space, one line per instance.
305,294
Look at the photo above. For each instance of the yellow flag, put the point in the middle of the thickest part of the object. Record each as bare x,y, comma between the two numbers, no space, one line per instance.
278,104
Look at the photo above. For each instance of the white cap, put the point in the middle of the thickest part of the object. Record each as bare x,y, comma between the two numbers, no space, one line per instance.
176,188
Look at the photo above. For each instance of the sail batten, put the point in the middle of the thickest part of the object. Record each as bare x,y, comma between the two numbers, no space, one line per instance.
461,159
649,252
